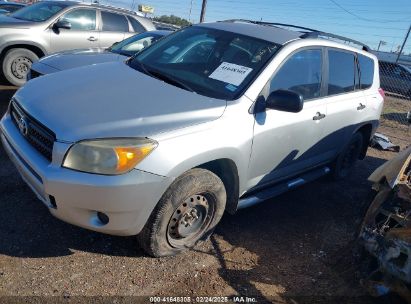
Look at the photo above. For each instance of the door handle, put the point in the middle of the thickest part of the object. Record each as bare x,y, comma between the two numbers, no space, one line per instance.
318,116
361,107
92,38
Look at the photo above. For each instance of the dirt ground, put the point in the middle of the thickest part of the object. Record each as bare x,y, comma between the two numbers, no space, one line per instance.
296,248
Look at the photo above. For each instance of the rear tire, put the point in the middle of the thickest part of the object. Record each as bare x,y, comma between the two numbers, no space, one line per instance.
16,65
186,214
347,159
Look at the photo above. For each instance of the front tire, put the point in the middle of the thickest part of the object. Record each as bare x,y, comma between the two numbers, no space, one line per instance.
347,159
186,214
16,65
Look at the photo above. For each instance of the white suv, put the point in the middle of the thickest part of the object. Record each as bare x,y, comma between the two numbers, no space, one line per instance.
213,117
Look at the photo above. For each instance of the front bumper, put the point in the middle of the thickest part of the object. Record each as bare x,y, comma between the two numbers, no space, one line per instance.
127,199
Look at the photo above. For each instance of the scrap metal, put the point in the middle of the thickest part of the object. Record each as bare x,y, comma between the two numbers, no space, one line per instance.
386,229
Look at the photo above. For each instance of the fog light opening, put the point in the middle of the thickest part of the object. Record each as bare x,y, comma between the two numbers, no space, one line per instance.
52,201
103,218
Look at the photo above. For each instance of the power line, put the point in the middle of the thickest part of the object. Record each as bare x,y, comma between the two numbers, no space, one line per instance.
362,18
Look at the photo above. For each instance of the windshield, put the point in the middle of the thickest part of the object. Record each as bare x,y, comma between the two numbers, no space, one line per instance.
38,12
135,44
210,62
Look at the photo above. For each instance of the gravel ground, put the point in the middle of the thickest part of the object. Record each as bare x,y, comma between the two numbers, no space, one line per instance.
296,248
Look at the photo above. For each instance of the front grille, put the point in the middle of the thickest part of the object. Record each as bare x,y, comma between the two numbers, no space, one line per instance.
34,74
41,138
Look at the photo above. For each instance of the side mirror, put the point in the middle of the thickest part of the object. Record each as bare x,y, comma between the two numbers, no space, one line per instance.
62,24
285,100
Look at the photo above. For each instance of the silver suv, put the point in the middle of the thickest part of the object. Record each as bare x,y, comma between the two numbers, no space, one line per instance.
53,26
212,118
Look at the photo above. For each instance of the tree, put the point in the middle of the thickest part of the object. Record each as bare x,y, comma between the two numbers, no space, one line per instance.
172,20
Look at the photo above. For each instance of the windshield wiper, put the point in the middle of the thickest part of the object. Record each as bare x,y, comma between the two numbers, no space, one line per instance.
156,74
121,53
140,66
170,80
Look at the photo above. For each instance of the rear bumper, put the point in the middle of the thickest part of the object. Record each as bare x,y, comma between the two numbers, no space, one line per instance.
127,199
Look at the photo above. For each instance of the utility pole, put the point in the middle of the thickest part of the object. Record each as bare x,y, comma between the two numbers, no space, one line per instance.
381,43
403,44
203,10
191,8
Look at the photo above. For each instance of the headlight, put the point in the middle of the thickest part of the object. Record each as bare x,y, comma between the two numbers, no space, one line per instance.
108,156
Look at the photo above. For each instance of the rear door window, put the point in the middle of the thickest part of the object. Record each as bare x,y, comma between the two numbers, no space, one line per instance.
366,71
301,73
341,73
114,22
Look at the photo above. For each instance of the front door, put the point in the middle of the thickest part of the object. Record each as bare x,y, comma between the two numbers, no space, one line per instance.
82,34
285,143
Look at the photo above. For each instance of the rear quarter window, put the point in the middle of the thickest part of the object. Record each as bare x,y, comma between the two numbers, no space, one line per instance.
366,71
137,27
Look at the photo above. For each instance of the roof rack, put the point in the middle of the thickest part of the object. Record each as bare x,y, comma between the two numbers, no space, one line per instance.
306,32
96,4
270,23
318,34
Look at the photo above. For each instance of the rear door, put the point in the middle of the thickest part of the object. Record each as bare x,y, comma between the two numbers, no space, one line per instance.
114,28
369,85
286,143
345,101
82,34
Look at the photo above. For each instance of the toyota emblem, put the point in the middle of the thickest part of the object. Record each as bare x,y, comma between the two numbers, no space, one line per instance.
23,126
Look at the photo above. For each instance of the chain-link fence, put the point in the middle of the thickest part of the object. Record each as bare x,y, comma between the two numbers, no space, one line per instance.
396,79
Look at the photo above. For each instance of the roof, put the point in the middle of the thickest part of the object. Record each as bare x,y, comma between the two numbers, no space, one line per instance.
278,32
95,5
268,33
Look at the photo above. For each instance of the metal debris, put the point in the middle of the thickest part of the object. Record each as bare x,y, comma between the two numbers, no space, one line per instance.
386,229
383,142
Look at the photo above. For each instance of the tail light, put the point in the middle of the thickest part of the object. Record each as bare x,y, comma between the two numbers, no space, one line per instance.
381,91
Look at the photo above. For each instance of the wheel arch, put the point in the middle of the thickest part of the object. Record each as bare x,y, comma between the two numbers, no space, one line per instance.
227,171
366,131
36,49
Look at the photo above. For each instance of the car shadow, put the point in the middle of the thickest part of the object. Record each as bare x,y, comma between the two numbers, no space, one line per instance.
298,237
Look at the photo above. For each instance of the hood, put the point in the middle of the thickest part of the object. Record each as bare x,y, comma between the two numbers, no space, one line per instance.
112,100
77,58
7,21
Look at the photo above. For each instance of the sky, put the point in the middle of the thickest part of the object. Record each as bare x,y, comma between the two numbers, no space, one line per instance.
369,21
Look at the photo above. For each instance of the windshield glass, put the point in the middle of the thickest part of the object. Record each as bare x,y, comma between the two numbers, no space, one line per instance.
135,44
38,12
210,62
